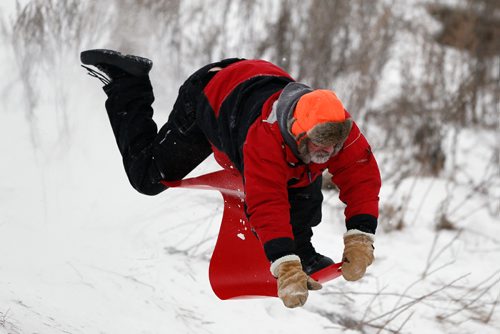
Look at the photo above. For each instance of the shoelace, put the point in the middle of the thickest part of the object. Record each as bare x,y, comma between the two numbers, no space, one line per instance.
93,73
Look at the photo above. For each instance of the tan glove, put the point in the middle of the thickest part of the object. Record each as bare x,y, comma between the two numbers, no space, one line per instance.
358,254
293,283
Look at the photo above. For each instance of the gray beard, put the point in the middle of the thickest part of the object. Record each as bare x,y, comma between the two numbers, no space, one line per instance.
319,157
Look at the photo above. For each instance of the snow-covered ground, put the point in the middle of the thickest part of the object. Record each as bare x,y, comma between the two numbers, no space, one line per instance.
82,252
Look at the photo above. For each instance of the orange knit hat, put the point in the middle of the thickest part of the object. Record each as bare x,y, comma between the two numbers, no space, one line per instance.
316,107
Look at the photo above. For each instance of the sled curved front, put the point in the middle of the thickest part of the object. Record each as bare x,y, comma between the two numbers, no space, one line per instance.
239,267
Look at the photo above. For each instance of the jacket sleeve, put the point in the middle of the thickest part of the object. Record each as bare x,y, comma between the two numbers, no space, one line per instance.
266,194
356,173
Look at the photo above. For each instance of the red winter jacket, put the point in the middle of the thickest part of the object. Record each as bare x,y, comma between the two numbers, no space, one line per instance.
240,122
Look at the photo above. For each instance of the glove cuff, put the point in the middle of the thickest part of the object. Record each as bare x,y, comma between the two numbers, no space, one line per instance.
286,258
371,236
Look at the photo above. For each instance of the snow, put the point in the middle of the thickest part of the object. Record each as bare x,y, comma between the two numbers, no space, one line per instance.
82,252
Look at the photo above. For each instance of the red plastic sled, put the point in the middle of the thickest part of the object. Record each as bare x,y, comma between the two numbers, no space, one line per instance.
238,267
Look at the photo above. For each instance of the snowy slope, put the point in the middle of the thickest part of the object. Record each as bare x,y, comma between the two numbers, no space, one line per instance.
82,253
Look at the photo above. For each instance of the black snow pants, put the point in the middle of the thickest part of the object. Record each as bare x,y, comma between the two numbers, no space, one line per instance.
170,154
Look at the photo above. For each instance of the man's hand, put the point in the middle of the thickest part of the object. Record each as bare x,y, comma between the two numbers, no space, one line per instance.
358,254
293,283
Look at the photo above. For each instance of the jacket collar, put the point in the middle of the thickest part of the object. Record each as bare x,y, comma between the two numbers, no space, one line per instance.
284,111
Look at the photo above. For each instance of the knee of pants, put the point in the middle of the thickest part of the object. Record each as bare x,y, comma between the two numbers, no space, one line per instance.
305,215
305,205
143,174
176,154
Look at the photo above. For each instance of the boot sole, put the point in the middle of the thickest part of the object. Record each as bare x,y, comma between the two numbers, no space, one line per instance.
134,65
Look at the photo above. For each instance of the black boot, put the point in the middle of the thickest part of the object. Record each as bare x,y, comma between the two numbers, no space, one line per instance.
312,261
315,263
114,64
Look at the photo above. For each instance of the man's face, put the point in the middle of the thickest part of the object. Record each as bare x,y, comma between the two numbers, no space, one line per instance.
319,154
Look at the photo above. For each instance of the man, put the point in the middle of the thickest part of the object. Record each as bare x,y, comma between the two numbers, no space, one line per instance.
279,134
